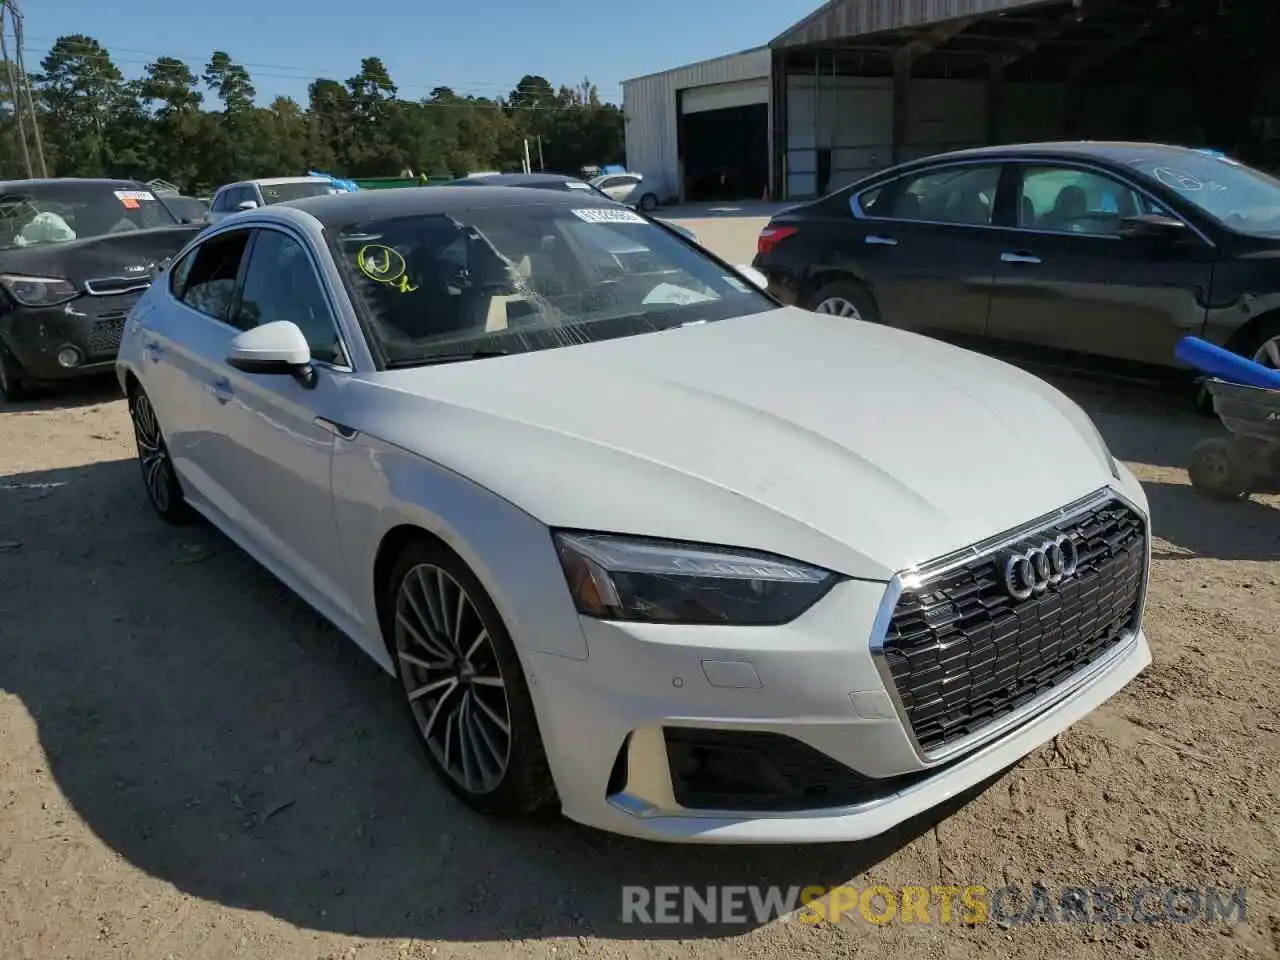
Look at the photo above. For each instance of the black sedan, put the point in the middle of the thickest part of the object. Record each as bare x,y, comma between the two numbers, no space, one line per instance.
74,256
1114,250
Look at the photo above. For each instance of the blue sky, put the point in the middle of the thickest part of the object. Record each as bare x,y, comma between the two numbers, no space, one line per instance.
475,47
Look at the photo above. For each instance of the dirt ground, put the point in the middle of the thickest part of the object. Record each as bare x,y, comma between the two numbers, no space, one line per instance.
193,765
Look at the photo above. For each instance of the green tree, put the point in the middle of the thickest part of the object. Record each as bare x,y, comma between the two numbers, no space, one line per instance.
82,94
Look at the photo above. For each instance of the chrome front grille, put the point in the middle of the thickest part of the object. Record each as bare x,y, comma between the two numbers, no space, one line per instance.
961,652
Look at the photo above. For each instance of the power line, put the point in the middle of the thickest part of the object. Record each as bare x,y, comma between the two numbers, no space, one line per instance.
276,71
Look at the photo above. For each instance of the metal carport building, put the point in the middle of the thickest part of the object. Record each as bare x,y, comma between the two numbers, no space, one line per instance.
860,84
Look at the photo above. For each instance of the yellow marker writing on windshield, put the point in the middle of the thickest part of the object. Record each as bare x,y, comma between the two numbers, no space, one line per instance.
382,264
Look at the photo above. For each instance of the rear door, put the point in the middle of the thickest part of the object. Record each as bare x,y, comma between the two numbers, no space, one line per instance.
183,352
923,243
1068,279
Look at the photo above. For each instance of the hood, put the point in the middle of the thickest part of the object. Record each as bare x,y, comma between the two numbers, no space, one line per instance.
855,446
111,255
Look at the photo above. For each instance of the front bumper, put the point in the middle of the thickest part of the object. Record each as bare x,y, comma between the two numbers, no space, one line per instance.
90,326
800,712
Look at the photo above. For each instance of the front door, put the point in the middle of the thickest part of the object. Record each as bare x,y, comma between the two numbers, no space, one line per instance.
279,453
1068,279
925,245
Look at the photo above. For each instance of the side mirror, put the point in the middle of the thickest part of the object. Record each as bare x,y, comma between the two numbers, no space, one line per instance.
273,348
247,205
1153,226
753,276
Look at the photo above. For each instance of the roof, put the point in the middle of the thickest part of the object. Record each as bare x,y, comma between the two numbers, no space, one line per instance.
338,210
69,181
1116,150
697,63
850,18
515,179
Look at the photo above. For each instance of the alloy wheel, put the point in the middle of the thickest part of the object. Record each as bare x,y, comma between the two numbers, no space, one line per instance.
157,470
1268,353
838,307
453,679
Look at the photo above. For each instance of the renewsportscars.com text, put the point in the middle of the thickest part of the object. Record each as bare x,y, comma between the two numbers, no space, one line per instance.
936,904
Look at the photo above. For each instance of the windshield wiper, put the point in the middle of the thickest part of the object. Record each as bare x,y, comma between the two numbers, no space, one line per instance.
447,358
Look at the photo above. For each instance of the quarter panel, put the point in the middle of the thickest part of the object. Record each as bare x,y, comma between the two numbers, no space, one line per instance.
378,487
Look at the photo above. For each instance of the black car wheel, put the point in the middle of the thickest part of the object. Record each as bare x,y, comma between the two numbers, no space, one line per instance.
158,476
13,385
1264,345
464,685
648,202
844,298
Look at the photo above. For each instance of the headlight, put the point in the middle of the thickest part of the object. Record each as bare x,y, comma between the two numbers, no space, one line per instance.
39,291
663,581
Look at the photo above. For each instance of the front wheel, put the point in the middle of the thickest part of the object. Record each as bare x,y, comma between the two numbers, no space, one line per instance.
13,385
464,685
648,203
158,476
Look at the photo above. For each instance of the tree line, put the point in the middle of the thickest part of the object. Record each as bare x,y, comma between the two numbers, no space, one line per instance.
199,131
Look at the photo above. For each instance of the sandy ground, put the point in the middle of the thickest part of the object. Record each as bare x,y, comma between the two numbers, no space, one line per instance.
193,765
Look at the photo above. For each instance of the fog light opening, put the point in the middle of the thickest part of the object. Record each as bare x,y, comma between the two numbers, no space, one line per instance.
70,357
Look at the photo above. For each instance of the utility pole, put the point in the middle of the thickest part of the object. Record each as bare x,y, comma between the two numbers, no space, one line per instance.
542,167
24,108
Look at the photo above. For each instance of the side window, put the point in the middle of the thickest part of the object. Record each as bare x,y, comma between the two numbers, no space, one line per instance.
219,203
1066,200
179,272
281,284
210,281
961,195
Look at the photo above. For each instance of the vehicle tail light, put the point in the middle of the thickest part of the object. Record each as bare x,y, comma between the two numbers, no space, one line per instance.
770,237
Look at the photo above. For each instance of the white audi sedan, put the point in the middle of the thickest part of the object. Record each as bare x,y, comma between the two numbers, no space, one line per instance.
637,542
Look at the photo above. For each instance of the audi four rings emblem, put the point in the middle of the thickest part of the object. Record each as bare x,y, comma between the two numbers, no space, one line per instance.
1031,571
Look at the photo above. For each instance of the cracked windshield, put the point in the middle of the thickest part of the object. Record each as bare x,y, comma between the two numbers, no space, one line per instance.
488,282
62,212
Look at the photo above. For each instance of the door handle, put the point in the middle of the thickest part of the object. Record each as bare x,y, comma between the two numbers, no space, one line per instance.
878,241
340,430
1020,258
222,390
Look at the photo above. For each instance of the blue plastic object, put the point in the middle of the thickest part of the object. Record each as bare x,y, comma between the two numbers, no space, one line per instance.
1214,361
349,186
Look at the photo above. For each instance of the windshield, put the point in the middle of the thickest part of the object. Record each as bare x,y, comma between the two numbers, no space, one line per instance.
1239,197
61,212
514,279
186,208
279,192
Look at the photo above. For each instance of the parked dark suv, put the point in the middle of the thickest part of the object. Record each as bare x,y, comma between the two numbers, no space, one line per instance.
74,256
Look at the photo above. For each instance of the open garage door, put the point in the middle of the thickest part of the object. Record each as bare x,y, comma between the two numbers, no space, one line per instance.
724,140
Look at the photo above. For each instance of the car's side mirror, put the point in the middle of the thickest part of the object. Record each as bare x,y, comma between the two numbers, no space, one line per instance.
1153,226
754,276
247,205
278,348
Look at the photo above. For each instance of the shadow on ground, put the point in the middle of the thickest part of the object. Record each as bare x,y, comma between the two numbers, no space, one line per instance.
212,730
99,388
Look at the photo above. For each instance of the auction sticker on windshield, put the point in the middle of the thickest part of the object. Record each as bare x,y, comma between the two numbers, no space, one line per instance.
131,198
607,215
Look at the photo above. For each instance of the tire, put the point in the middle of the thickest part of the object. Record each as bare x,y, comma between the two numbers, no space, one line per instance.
13,384
159,479
844,298
1262,345
1218,470
461,727
648,203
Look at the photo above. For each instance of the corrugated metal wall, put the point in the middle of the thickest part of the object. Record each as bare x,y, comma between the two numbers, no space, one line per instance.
851,18
650,106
